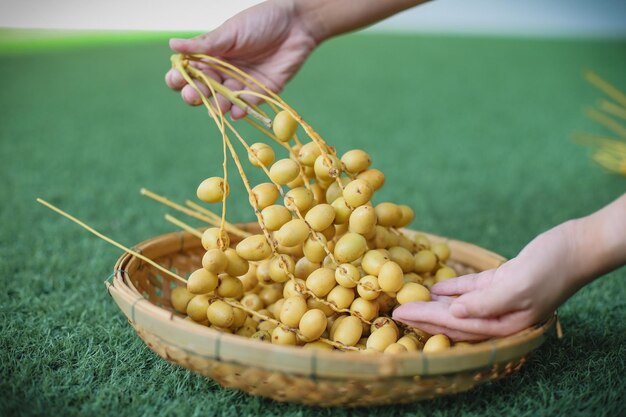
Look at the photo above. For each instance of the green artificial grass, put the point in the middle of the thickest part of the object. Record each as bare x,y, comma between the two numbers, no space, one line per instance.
473,133
25,41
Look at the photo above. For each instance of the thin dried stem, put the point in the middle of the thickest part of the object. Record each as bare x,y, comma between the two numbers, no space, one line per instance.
163,200
231,302
612,108
111,241
202,210
183,226
212,85
606,121
610,161
185,71
275,99
220,68
606,87
229,227
180,63
594,140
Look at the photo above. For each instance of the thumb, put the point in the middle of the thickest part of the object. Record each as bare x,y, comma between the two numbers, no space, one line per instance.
482,304
216,42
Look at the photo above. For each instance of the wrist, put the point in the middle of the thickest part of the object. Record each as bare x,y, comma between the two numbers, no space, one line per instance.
577,258
323,19
601,239
310,16
553,261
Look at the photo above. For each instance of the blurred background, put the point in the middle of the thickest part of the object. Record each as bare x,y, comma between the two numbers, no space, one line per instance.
605,18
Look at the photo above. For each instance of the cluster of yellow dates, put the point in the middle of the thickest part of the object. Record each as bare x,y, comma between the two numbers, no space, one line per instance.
327,267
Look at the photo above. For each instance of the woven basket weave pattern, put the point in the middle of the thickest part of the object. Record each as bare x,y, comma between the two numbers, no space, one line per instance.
312,390
297,375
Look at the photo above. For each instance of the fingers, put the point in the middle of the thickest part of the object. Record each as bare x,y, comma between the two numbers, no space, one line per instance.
216,42
489,302
222,102
453,334
181,46
191,96
442,298
174,80
209,43
235,85
236,113
419,311
461,285
483,295
189,93
439,314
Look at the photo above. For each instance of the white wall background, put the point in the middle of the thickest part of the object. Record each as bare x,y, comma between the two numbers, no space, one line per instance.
528,17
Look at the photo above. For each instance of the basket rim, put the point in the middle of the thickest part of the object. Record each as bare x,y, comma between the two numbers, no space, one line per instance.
201,340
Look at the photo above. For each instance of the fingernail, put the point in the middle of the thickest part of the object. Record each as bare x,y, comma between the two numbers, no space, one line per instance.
175,41
458,310
397,313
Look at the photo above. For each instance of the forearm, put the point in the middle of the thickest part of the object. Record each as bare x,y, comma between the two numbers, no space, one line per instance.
601,241
574,253
328,18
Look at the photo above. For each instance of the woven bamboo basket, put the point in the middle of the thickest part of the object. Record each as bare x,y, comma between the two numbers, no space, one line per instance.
308,376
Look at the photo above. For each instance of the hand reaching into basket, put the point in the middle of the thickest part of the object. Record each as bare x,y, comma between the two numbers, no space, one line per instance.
528,288
271,41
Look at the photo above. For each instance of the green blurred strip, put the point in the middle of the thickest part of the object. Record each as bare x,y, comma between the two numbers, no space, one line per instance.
29,40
